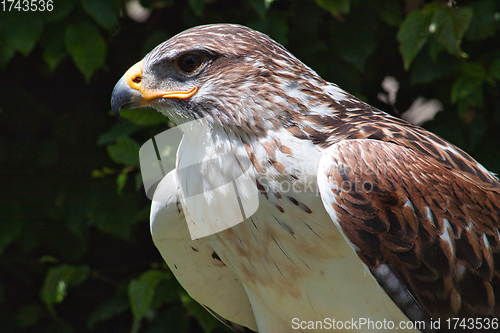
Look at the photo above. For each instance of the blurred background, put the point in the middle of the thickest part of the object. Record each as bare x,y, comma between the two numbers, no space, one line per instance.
75,249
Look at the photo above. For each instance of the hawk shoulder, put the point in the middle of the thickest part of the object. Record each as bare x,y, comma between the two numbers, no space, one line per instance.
431,228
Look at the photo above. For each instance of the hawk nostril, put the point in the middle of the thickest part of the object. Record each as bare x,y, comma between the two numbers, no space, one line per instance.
137,79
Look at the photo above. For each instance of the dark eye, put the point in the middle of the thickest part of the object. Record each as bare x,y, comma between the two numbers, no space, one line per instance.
190,62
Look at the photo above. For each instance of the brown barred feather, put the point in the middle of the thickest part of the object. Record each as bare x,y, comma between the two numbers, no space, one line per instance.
430,223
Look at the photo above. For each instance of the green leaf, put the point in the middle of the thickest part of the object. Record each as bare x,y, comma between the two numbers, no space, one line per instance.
468,87
107,310
112,214
59,278
7,51
86,46
434,48
335,7
413,34
104,12
118,223
125,151
48,259
463,87
54,50
474,69
450,26
424,70
121,180
61,9
103,172
20,31
166,292
204,318
115,131
484,22
141,292
145,117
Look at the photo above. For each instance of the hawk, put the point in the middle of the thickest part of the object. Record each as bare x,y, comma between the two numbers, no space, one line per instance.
361,215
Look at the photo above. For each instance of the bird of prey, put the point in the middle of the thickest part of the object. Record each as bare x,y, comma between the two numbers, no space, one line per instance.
363,218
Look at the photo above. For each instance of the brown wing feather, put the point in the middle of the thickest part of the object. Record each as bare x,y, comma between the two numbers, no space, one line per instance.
435,226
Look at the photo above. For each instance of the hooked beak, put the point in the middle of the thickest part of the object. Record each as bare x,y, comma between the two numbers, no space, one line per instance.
128,92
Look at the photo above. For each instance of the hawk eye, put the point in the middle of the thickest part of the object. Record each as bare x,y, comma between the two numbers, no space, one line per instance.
189,62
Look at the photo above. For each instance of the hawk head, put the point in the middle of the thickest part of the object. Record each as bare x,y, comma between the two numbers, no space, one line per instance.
233,75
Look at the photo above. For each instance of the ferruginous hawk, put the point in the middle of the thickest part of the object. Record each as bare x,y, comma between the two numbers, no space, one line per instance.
361,214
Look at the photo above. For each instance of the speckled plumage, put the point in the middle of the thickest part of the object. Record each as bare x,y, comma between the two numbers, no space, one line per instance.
342,187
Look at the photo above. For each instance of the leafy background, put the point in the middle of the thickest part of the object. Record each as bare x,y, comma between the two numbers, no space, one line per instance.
75,249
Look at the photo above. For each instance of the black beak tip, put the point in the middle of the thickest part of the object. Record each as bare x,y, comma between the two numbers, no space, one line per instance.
122,95
116,107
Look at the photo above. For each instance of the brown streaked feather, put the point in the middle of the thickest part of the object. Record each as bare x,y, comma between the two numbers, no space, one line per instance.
435,226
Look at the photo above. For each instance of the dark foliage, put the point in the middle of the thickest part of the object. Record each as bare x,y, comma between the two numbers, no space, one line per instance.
75,250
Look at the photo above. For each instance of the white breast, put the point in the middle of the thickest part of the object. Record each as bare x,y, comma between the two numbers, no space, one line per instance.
294,264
